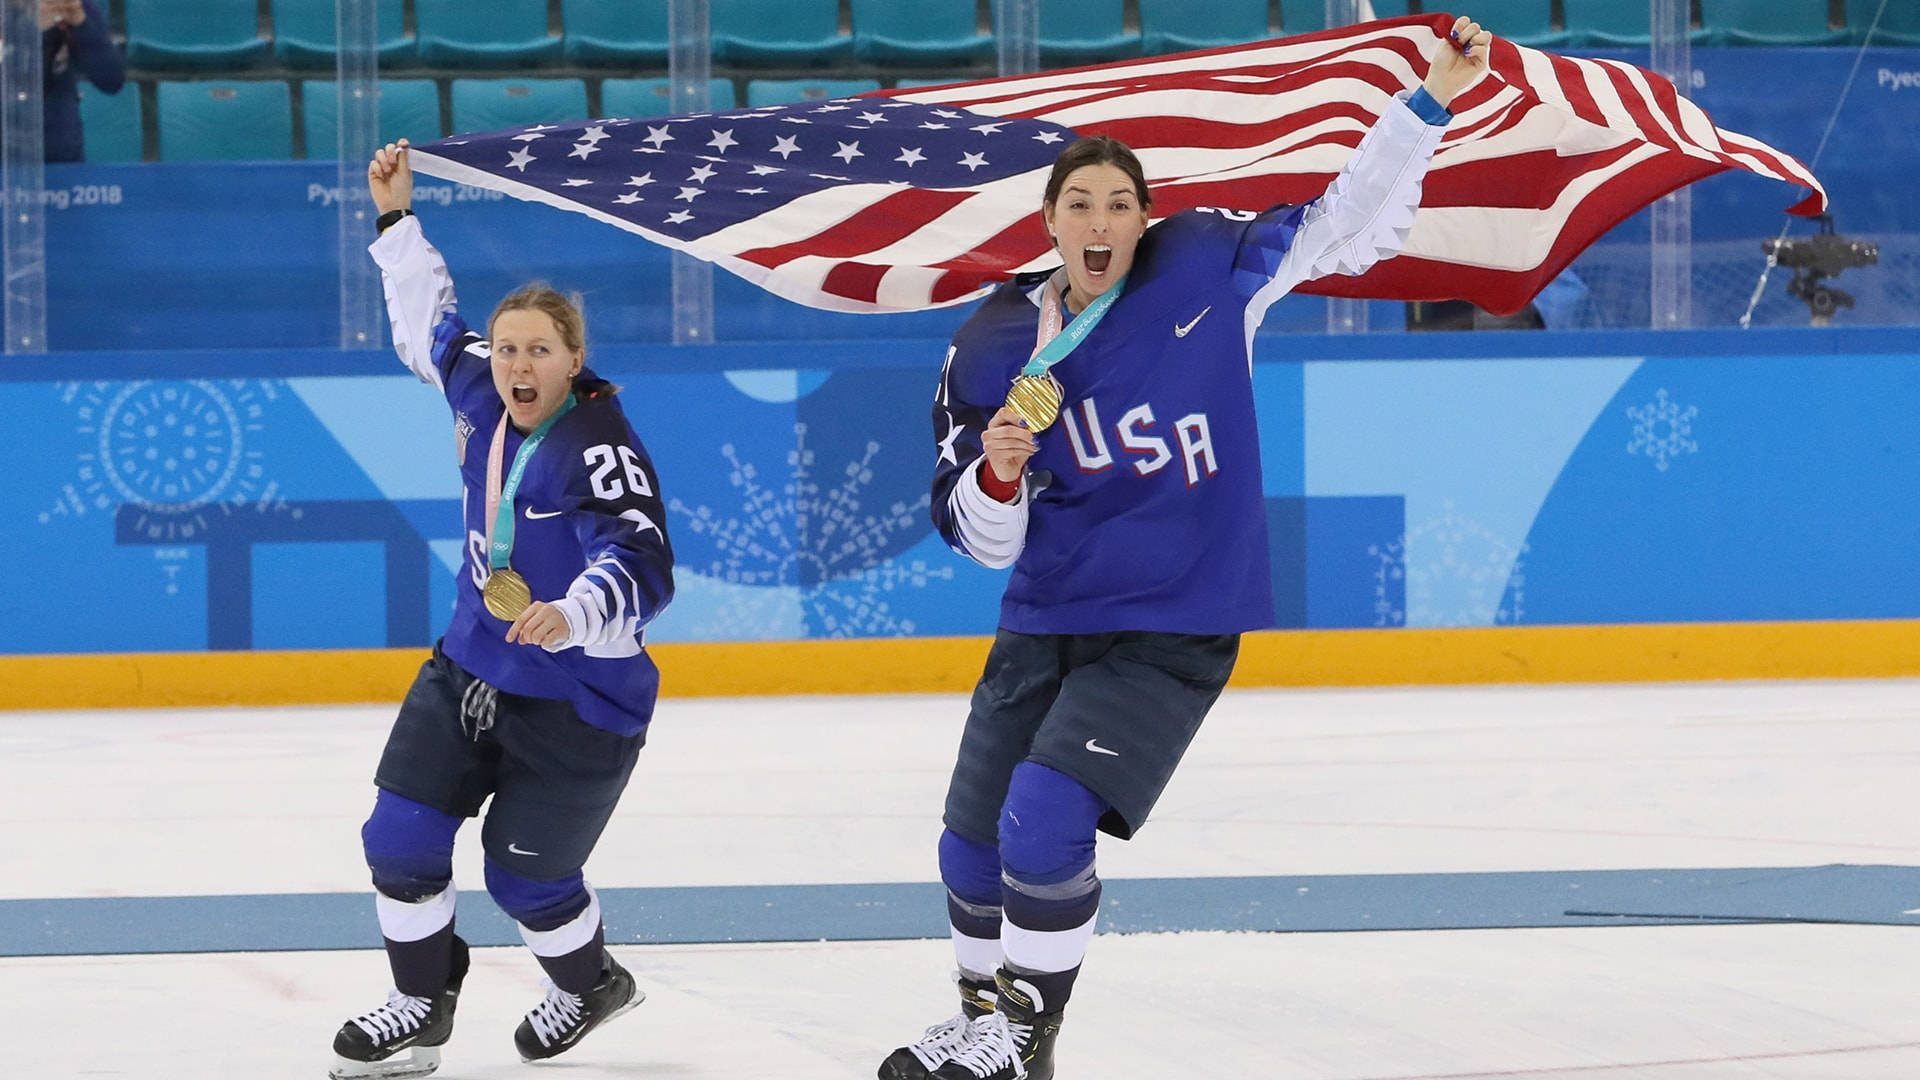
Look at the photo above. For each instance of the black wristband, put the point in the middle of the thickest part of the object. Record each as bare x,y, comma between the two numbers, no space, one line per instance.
391,218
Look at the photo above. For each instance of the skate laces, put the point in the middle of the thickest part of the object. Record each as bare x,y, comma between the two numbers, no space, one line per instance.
555,1015
995,1044
402,1013
943,1041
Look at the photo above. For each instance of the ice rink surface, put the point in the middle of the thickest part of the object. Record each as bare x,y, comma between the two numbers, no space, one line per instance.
1483,782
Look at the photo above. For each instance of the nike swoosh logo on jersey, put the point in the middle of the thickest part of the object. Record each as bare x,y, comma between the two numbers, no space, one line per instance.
536,515
518,850
1183,331
1094,744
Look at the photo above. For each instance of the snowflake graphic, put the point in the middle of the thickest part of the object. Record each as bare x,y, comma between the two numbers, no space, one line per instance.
1451,583
1662,430
174,450
813,534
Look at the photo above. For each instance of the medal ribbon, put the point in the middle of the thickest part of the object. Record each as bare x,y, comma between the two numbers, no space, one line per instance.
500,496
1053,344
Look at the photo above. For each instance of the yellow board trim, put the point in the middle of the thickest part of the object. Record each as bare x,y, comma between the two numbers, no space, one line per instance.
1535,654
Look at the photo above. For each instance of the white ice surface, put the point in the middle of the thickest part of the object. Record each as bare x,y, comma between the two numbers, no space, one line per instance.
848,790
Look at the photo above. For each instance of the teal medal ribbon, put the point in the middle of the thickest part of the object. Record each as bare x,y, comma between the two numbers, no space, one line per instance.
1036,395
500,546
1075,332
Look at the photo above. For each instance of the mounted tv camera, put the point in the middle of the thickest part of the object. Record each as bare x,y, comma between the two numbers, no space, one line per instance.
1816,258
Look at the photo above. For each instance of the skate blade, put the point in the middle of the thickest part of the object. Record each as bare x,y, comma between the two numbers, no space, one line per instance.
639,996
420,1061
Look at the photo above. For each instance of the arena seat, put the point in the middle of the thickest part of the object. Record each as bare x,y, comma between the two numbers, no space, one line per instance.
409,108
648,97
1768,22
204,35
1306,16
496,34
225,121
787,91
614,32
1178,26
1899,22
927,32
491,104
110,123
778,33
305,34
1074,32
1523,22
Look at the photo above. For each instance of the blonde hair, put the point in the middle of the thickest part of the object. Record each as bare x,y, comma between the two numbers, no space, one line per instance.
563,310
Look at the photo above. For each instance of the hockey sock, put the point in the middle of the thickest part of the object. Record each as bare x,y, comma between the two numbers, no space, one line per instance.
971,872
419,940
409,849
1050,893
559,921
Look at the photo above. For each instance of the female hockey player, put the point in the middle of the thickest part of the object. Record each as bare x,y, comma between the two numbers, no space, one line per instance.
1136,531
541,703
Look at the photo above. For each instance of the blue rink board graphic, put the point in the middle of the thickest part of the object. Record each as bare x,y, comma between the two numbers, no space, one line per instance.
1537,479
891,911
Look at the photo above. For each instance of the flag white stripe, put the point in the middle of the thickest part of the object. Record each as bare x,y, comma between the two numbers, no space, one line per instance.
1502,238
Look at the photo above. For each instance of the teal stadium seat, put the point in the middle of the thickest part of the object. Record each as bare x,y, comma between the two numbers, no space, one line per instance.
409,109
110,123
1612,24
1180,26
778,33
1899,23
1523,22
599,33
789,91
492,104
927,32
489,34
1307,16
225,121
305,34
1075,32
649,97
202,35
1769,22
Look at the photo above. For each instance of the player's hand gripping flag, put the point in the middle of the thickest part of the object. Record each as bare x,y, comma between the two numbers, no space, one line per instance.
913,199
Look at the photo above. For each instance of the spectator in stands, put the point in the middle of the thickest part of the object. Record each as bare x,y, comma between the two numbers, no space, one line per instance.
74,33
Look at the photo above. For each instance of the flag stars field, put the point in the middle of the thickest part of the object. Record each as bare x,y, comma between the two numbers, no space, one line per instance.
924,152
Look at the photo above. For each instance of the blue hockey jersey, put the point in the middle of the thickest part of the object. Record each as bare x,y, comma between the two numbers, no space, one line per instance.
1143,507
589,527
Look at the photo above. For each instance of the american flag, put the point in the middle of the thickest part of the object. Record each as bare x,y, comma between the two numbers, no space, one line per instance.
906,200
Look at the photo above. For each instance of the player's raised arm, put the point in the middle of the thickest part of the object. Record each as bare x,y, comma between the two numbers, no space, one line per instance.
427,330
1366,214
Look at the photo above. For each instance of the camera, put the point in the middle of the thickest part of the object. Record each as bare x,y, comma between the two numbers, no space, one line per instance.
1816,258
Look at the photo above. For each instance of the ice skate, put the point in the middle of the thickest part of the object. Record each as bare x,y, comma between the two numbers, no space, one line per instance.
403,1037
1014,1042
942,1041
563,1019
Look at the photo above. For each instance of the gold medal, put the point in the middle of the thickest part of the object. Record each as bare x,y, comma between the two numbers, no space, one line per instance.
1037,399
506,595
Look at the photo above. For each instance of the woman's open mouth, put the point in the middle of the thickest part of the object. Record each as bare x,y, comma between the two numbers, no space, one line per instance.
1097,257
524,394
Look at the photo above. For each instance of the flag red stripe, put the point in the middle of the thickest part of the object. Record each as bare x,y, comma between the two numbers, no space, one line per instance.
891,219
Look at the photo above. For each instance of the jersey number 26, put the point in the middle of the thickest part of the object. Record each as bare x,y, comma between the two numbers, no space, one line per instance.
604,460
